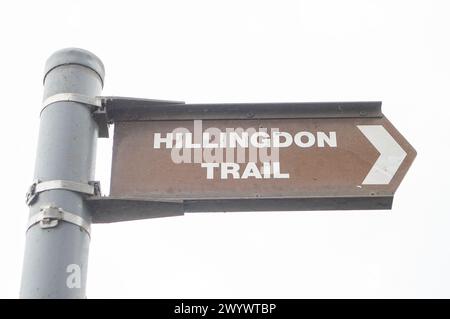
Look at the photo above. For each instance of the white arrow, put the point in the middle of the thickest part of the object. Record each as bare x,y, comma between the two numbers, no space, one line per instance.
391,155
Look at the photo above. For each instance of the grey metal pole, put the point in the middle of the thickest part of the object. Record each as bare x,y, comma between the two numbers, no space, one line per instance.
57,240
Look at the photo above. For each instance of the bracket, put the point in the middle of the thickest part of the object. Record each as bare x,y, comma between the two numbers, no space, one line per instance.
120,109
95,103
91,188
49,217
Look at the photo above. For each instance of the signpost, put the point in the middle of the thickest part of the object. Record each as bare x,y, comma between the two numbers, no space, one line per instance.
277,163
170,158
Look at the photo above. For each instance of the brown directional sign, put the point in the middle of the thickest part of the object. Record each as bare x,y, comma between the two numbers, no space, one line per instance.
240,157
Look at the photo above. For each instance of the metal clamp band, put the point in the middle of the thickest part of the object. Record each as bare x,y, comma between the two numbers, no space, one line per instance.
49,217
95,101
91,188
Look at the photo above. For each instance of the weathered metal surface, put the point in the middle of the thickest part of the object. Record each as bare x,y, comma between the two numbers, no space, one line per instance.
116,209
113,209
135,109
287,204
340,177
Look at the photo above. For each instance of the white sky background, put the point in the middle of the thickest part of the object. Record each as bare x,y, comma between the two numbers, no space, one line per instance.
246,51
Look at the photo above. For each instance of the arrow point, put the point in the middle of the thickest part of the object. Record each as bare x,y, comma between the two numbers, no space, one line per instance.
391,155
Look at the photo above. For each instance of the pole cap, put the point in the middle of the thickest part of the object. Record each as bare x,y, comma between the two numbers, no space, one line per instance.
75,56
